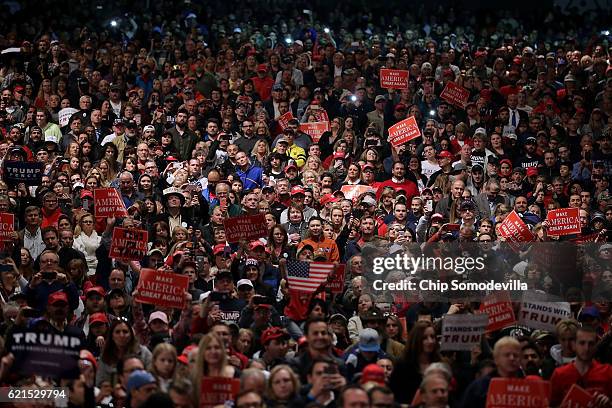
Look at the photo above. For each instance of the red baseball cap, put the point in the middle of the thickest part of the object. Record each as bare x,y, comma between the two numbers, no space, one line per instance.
373,373
86,193
218,249
98,318
328,198
255,244
184,357
298,190
445,154
55,297
532,171
273,333
262,68
95,289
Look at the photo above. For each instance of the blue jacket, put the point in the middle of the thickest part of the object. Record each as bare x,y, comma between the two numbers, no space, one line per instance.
251,178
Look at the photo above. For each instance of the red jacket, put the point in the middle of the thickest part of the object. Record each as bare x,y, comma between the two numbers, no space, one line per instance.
408,186
263,86
597,379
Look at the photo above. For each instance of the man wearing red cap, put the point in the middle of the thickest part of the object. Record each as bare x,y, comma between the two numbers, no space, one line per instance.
297,197
263,82
57,312
274,341
445,160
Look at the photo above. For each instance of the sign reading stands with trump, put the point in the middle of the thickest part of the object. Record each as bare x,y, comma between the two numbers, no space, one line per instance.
462,332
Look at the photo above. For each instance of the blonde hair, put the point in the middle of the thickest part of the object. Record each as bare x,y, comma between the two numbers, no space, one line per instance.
277,369
201,368
160,349
505,342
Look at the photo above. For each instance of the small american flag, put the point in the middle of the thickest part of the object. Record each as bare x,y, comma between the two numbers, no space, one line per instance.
307,276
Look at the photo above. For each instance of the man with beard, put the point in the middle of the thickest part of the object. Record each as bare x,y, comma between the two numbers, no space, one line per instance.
531,360
593,376
184,139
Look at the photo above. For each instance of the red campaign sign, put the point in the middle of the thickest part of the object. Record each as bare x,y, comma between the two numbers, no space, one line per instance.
564,221
577,397
455,94
498,307
585,238
108,203
7,226
337,284
393,78
283,120
247,227
314,129
353,191
165,289
516,392
514,230
404,131
217,390
128,244
319,113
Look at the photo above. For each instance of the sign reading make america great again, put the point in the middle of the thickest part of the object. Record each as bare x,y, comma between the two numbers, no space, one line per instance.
247,227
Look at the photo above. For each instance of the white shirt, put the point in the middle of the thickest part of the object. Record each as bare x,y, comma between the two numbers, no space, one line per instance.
33,243
428,168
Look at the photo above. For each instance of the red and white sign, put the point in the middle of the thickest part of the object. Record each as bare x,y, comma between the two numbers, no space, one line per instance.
319,113
462,332
7,226
165,289
517,392
314,129
577,397
247,227
108,203
353,192
216,391
283,120
337,284
583,239
564,221
404,131
455,94
542,315
393,78
498,307
514,229
128,244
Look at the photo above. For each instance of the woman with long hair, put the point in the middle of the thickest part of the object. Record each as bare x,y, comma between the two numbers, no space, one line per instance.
422,350
277,243
87,241
355,325
163,365
110,153
212,361
120,342
329,138
26,267
260,153
107,172
283,389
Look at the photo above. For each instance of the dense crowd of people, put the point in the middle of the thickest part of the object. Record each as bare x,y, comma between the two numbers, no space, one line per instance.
196,115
